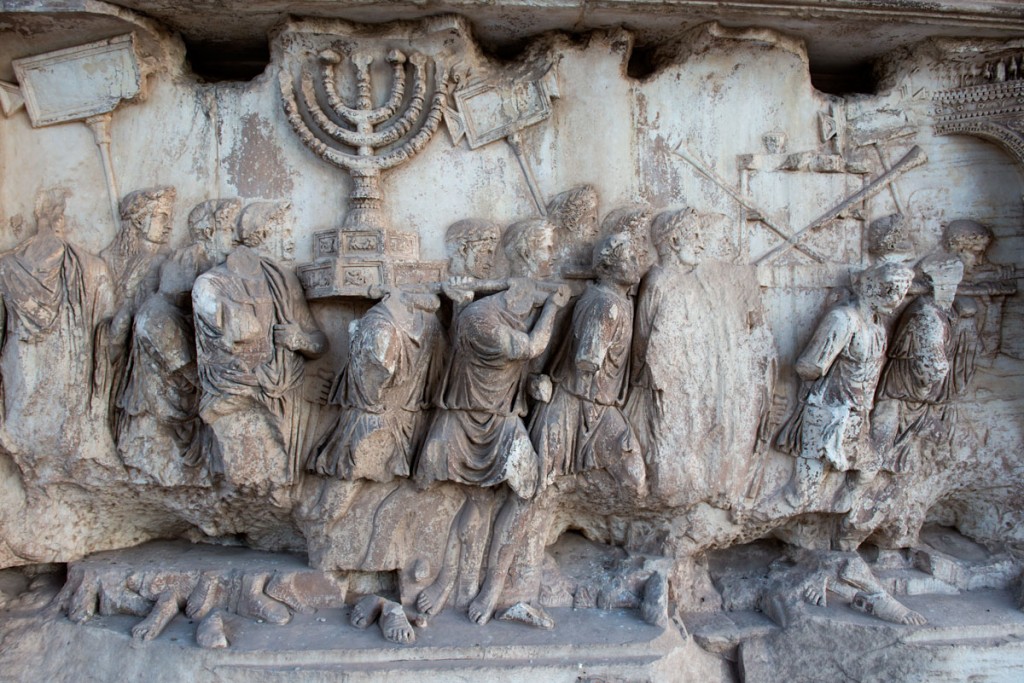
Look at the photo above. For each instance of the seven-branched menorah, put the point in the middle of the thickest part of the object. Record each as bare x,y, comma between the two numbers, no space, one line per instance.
381,137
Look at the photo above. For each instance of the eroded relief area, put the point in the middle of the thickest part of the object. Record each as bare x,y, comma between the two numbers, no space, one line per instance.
540,348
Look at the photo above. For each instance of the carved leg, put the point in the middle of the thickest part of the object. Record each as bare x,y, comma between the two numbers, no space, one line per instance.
808,475
394,624
366,611
505,540
207,594
163,611
83,601
433,598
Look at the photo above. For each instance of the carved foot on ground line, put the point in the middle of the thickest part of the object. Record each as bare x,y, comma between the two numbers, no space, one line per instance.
887,608
394,625
432,599
211,633
366,611
482,608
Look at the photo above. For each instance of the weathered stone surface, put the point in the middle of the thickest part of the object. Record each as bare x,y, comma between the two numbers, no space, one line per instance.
540,312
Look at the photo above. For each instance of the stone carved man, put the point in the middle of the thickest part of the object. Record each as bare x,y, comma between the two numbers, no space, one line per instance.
135,254
912,397
395,363
582,427
254,332
839,369
55,297
674,234
156,424
980,315
478,437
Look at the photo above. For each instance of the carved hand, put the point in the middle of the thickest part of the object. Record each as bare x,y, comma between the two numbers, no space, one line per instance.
540,388
560,297
291,337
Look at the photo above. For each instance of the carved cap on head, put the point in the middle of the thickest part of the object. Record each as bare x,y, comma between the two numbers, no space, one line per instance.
522,243
258,220
575,210
961,235
888,235
143,202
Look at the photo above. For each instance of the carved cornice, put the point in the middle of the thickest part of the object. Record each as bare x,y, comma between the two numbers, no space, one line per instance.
990,111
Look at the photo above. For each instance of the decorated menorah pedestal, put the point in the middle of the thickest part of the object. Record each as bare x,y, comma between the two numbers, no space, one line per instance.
332,100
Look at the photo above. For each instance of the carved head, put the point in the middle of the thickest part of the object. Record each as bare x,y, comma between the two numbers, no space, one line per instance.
471,245
50,206
528,247
969,240
888,235
634,221
261,221
944,271
148,213
574,214
212,225
883,287
676,236
615,259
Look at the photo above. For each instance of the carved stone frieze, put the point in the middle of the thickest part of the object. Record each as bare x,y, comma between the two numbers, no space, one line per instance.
694,346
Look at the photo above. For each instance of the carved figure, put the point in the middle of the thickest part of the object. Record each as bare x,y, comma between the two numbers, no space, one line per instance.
839,369
675,241
156,417
919,377
478,437
980,310
395,362
158,404
913,401
582,427
254,331
55,297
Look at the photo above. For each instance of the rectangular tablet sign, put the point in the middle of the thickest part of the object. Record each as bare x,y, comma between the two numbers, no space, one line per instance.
78,82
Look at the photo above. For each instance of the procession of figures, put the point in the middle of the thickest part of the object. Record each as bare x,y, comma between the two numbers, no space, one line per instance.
525,373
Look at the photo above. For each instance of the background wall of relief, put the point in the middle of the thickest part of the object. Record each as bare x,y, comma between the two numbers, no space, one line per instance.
631,122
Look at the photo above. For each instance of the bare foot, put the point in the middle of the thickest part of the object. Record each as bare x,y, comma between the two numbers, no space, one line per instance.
256,604
153,625
395,625
366,611
887,608
433,598
211,633
482,608
815,591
